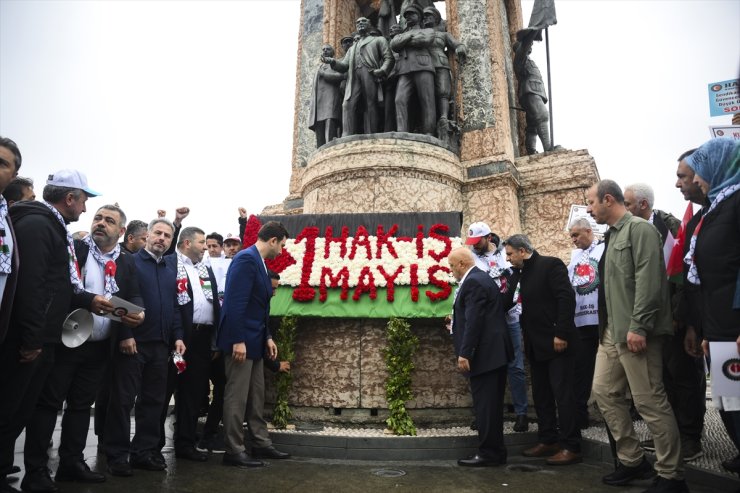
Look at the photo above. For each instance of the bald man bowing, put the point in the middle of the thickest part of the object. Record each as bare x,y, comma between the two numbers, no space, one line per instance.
483,350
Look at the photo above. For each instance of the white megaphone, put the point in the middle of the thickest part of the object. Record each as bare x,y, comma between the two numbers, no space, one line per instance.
77,328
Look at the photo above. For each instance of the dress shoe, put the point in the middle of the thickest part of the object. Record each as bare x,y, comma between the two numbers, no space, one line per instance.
6,488
565,458
480,461
542,450
241,460
732,465
665,485
190,453
522,423
157,456
148,464
624,474
78,471
213,444
39,481
120,469
269,453
14,470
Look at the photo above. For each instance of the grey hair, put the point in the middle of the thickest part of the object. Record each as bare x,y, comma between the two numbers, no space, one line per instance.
642,191
520,241
159,220
579,222
53,193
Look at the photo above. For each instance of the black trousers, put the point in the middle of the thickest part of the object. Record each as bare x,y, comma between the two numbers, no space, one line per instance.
20,387
216,409
584,370
554,400
188,386
75,377
685,385
139,379
488,402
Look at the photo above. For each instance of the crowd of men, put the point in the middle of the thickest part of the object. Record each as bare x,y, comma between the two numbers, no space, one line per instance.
611,325
608,326
180,297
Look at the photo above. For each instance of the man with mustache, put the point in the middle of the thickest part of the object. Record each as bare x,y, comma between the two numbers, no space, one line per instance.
79,372
141,358
48,278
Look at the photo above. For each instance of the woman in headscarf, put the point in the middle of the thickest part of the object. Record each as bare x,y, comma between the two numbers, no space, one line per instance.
714,261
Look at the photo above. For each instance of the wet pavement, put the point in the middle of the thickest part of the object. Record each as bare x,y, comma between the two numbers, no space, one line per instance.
521,475
302,474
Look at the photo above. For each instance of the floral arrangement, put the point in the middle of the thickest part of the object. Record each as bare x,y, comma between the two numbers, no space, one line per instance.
360,263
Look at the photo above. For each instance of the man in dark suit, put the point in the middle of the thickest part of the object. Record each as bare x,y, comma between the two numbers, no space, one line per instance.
200,309
483,349
550,342
79,372
142,357
243,337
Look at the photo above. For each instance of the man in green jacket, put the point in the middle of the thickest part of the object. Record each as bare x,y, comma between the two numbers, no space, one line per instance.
634,319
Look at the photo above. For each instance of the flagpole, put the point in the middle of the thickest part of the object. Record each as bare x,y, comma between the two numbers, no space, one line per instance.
549,87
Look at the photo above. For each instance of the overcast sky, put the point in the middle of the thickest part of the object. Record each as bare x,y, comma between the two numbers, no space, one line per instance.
169,103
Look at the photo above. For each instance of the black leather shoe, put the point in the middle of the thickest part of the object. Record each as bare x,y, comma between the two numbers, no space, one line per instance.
148,464
190,453
39,481
6,488
480,461
78,471
269,453
14,470
157,456
624,474
732,465
120,469
521,424
241,460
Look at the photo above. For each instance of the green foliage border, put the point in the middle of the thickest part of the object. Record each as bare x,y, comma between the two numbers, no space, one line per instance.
285,341
402,345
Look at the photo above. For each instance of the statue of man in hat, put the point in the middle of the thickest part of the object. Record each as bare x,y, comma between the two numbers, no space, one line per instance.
367,63
442,78
415,72
532,95
326,105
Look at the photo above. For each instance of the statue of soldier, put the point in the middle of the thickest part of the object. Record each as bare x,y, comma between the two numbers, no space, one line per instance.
422,4
415,72
532,95
442,77
326,105
389,87
368,62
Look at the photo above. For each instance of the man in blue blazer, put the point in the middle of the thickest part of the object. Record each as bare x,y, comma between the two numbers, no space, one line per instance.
483,349
244,339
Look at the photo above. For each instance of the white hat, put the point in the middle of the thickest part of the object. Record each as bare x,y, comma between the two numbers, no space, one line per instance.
476,232
230,237
71,178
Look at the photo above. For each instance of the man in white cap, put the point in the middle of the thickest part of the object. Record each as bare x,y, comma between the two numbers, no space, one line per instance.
232,245
49,277
490,258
